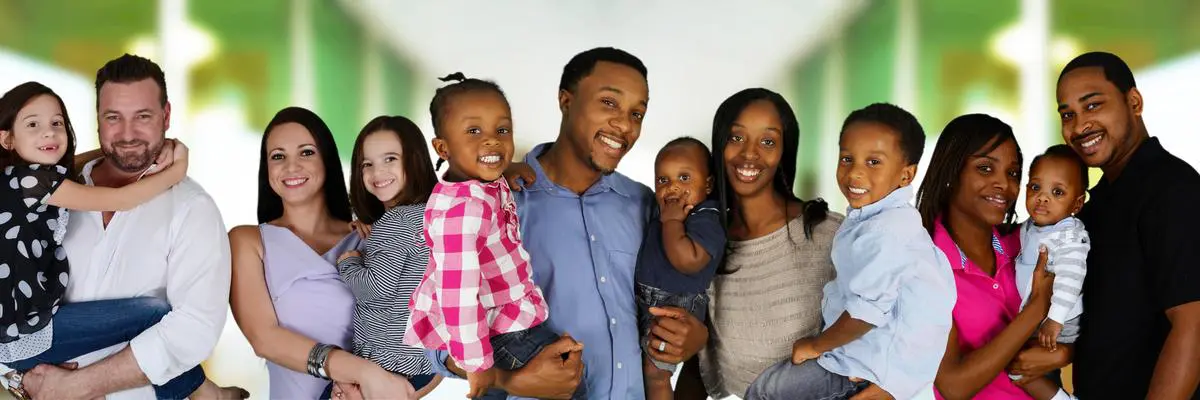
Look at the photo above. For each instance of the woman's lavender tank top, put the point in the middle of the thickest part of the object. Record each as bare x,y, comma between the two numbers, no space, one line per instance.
309,298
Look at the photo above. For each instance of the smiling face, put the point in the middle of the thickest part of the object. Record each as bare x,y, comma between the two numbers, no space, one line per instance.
754,149
871,164
294,167
1098,121
39,133
133,123
604,114
475,136
382,166
988,184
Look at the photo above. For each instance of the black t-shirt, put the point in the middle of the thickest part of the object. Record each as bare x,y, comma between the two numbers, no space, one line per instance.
33,264
1145,259
702,225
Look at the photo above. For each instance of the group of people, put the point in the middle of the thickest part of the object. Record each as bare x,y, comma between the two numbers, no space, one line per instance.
558,277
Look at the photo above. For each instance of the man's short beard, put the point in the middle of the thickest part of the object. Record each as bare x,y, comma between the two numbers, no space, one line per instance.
132,162
592,163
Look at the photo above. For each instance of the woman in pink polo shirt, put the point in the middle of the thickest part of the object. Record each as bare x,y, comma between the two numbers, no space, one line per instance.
967,203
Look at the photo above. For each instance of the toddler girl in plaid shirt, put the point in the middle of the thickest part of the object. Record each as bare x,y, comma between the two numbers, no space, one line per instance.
477,299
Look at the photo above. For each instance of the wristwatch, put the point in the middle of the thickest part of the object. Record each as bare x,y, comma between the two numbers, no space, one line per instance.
12,382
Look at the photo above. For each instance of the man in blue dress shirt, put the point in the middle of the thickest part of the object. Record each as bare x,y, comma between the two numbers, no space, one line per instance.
582,224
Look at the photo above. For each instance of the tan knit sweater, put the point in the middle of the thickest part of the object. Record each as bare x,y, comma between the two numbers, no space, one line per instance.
772,299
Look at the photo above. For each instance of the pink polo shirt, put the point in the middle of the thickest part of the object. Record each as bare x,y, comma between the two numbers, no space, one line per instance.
985,304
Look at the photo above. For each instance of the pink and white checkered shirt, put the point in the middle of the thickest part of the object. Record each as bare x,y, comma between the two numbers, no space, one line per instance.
478,282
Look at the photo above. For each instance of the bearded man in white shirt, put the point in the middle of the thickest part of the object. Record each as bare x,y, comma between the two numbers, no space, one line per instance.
172,247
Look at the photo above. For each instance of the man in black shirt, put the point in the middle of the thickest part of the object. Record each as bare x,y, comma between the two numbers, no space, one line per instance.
1140,329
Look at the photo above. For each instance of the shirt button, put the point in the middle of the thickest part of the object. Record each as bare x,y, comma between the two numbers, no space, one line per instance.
593,238
613,321
619,365
995,286
602,279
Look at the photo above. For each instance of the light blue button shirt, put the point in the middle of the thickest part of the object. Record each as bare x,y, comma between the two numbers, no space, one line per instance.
890,275
583,250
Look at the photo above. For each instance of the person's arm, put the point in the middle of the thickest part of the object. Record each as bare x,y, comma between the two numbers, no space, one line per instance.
546,376
456,235
845,330
684,334
1172,254
1070,267
379,286
74,196
198,271
685,254
961,375
254,313
1177,373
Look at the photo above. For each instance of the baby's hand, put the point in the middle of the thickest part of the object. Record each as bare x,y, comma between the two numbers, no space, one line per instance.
348,254
1048,334
674,210
480,382
804,350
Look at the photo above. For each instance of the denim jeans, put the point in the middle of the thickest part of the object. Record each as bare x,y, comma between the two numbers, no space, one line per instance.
84,327
807,381
649,296
511,351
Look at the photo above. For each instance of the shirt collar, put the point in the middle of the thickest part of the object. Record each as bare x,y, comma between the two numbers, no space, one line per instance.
1139,163
615,181
945,243
896,199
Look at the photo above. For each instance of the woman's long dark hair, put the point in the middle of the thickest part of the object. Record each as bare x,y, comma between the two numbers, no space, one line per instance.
419,178
964,137
814,211
337,201
12,103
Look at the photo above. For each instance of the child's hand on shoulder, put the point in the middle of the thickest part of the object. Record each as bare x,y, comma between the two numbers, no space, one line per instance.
674,210
480,382
804,350
348,254
1048,334
363,229
521,171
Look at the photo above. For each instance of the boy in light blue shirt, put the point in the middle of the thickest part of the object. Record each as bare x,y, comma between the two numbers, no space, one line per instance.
888,313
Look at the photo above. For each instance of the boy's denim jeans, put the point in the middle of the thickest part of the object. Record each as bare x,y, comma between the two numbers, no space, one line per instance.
84,327
649,296
511,351
807,381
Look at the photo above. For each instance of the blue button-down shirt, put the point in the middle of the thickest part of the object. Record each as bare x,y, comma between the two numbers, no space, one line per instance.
583,250
892,276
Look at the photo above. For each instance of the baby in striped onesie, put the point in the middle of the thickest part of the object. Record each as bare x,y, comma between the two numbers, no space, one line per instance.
1057,184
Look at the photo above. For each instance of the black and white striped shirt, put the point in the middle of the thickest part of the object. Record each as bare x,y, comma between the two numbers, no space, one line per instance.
383,280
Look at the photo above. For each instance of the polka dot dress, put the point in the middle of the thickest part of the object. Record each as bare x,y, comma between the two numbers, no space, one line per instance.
33,263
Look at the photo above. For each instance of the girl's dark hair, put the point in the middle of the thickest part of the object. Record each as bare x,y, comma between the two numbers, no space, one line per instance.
815,211
445,93
337,203
12,103
966,136
1062,151
418,178
718,191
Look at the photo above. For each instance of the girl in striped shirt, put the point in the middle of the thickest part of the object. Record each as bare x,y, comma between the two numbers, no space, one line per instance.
478,299
390,180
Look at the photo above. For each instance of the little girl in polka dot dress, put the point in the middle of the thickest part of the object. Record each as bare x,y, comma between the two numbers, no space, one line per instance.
37,147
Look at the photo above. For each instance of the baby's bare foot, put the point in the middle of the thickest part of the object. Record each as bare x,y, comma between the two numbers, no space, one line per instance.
210,391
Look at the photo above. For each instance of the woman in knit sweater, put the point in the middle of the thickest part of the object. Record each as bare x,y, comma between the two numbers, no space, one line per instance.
768,292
